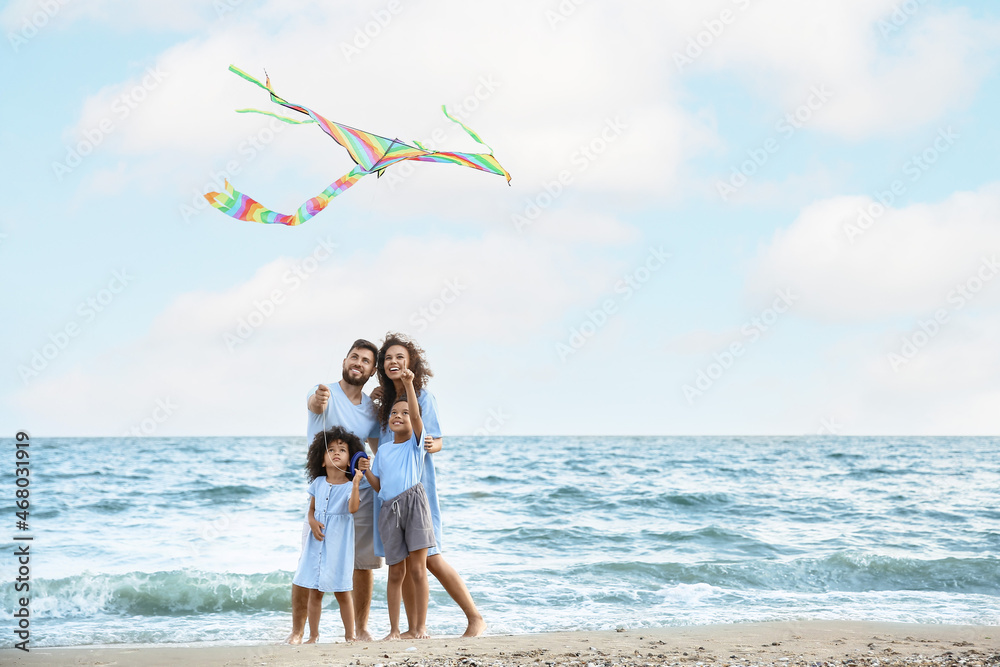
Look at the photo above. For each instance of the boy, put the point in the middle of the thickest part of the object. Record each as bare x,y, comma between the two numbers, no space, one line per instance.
405,520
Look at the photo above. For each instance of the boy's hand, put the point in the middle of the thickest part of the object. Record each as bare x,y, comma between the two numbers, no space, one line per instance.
317,529
406,375
363,465
428,443
376,394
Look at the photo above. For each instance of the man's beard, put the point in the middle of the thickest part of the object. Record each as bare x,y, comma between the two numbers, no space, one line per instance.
359,382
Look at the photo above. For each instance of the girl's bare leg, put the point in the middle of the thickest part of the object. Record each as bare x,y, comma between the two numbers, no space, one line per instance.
315,609
346,601
453,584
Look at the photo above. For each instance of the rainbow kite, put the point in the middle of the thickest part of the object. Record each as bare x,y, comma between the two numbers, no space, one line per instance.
370,152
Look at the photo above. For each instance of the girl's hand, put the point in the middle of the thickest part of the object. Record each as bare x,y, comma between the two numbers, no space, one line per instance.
317,529
359,470
376,394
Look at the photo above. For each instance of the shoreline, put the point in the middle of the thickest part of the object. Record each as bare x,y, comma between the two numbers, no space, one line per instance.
785,643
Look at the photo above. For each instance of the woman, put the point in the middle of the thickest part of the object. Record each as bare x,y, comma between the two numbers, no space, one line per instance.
397,353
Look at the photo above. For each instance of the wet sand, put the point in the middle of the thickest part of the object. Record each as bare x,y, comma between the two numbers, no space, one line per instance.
812,643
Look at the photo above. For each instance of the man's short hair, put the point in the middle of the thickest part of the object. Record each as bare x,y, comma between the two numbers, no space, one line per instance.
362,344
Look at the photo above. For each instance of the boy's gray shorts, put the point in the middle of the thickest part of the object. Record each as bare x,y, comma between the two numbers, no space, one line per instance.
405,525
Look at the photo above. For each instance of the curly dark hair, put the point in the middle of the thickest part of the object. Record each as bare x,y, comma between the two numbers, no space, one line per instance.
317,450
417,364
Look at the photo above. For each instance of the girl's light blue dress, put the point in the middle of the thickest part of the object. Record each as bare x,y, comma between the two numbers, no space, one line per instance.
328,566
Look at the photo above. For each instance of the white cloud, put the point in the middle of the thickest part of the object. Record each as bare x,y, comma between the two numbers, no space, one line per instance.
906,263
297,318
943,385
577,225
884,76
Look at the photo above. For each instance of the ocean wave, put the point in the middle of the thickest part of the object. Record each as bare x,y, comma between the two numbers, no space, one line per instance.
175,593
840,572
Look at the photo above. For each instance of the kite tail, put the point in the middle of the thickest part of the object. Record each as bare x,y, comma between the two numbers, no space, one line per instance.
476,137
237,205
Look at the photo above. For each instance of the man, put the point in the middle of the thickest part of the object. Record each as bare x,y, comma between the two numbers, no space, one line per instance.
345,404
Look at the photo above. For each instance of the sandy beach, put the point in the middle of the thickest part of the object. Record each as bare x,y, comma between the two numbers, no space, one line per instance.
854,644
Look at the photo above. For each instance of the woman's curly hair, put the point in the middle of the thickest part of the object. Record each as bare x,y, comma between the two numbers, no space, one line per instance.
317,450
417,364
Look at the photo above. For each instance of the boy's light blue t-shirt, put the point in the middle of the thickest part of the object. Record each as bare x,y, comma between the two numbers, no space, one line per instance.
432,427
398,466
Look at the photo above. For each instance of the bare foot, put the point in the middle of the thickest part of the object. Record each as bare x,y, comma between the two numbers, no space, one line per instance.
350,638
392,636
311,640
294,638
409,634
363,636
421,634
477,626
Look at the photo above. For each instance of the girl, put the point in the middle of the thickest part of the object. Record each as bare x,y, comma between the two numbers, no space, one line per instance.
327,562
397,353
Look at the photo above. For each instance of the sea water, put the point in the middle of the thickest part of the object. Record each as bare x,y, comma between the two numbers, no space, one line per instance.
163,540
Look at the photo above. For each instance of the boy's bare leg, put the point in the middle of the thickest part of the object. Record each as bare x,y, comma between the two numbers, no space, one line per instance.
315,609
346,602
300,606
409,600
417,564
393,594
364,581
453,584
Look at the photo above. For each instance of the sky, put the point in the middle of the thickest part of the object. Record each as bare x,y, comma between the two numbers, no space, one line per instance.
728,217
